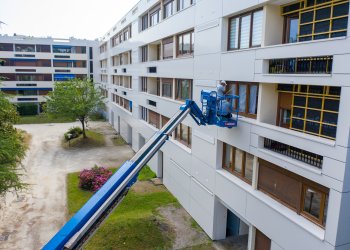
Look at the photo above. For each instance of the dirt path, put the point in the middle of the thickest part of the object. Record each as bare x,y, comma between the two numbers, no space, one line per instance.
31,219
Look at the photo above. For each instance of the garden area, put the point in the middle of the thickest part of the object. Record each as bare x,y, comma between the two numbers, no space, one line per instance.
74,138
140,221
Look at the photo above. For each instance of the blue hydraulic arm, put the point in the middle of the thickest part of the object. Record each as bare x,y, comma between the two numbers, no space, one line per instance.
83,224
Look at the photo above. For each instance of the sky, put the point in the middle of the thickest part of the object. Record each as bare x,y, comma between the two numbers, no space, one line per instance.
84,19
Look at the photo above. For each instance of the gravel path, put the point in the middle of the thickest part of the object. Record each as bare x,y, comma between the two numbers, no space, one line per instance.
30,219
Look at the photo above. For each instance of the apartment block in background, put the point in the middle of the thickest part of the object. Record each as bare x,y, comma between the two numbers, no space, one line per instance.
30,66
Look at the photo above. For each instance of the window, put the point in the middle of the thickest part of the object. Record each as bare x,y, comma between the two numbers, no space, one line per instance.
185,44
183,4
315,20
154,119
27,77
183,89
167,87
6,47
248,97
296,192
169,7
245,31
291,27
155,17
144,113
238,162
61,49
168,48
262,242
144,84
26,92
183,134
312,109
43,48
144,53
144,22
24,47
164,120
103,47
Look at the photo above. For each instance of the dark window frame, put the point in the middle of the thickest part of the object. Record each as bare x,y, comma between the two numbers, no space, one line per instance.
251,13
178,54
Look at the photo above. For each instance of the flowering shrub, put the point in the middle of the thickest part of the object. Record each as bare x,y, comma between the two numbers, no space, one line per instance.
93,179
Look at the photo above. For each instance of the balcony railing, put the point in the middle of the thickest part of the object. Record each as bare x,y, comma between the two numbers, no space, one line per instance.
301,65
293,152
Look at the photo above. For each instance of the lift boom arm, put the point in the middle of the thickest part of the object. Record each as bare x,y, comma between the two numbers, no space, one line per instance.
83,224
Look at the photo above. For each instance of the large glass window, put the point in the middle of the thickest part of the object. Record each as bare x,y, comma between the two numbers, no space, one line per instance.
167,87
144,22
248,97
168,44
291,26
312,109
315,20
238,162
154,118
169,8
155,17
183,134
43,48
245,31
24,47
183,89
182,4
185,44
144,53
6,47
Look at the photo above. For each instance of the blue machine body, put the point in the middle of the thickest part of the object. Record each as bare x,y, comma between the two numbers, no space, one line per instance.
210,114
221,111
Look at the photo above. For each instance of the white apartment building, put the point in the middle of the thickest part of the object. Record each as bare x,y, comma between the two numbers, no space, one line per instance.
281,179
30,66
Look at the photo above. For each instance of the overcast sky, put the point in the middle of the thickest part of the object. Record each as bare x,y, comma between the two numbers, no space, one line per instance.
88,19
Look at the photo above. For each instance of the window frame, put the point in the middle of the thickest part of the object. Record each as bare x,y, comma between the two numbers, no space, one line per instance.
247,101
303,182
240,16
231,168
178,135
191,32
178,84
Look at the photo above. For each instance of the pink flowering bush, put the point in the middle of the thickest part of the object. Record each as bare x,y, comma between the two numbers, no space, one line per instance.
93,179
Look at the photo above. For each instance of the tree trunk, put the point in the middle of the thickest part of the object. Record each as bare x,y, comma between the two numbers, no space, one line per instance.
83,125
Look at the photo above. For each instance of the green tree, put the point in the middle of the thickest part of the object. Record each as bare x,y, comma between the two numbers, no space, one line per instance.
75,99
12,148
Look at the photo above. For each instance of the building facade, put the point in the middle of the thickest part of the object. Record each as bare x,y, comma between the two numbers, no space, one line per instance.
281,179
30,66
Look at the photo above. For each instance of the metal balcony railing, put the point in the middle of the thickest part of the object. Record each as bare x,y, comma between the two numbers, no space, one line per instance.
293,152
302,65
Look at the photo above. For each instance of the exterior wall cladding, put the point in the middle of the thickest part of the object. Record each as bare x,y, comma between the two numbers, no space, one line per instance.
281,179
31,65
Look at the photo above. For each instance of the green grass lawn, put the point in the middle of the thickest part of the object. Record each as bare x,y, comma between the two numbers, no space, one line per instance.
118,141
134,224
39,119
93,139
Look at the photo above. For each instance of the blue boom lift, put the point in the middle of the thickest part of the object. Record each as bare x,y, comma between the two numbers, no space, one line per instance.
83,224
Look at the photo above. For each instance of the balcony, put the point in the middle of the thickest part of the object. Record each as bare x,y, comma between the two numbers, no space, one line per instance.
301,65
293,152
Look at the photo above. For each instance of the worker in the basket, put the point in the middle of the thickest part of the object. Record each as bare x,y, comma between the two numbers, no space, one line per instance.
224,107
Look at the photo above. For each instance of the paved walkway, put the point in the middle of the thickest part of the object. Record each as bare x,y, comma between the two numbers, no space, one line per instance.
31,219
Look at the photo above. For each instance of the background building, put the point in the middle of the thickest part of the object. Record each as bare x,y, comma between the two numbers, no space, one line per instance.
281,179
31,66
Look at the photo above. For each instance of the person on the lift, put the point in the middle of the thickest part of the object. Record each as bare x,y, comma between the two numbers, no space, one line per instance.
224,107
